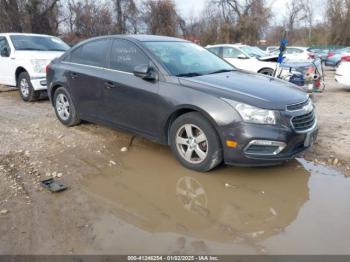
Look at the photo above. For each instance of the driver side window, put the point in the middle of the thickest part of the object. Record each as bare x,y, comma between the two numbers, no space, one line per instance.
229,52
125,56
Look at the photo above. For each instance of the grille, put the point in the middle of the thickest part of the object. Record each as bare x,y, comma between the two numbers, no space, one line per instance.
304,122
298,106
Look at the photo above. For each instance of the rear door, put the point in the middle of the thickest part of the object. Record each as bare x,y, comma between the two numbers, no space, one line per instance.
7,70
130,101
86,77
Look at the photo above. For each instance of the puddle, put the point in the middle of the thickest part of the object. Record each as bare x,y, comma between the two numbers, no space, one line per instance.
297,208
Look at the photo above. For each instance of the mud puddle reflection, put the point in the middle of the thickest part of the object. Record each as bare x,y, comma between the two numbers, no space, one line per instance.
296,208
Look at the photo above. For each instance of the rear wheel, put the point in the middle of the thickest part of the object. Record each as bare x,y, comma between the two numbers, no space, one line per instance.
64,108
195,143
26,90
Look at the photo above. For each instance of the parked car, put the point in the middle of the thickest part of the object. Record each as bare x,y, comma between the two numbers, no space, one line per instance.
320,53
271,49
23,60
175,92
342,75
296,53
246,57
334,57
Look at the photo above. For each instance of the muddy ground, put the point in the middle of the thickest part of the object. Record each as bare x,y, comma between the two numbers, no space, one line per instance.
143,202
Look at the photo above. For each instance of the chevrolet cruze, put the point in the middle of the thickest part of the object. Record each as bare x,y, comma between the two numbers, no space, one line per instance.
175,92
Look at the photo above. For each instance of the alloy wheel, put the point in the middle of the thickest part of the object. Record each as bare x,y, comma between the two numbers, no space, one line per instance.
192,143
63,107
24,87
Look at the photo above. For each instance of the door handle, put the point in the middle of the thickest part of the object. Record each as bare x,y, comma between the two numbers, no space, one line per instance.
110,85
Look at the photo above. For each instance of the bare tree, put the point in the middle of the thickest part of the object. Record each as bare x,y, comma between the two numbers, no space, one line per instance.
88,19
126,16
242,21
161,17
338,13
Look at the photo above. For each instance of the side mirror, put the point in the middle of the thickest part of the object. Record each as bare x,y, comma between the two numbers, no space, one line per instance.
241,56
5,52
145,72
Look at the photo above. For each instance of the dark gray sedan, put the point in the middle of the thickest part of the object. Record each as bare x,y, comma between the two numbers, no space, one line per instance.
177,93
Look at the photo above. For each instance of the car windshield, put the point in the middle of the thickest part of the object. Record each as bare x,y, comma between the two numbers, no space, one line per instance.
187,59
39,43
251,51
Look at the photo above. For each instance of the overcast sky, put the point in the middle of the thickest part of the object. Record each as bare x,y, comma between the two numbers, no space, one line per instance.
278,7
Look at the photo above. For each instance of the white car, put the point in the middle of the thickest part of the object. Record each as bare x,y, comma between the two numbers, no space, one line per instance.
246,57
23,60
295,53
342,75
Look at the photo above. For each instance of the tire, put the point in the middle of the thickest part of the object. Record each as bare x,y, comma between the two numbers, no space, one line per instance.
26,90
209,147
267,71
64,108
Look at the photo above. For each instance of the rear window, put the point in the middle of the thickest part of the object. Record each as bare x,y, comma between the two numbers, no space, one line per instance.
92,53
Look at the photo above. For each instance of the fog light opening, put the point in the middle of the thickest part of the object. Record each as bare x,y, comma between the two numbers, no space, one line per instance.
264,147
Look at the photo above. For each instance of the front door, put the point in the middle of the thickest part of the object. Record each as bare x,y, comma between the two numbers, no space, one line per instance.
7,70
130,101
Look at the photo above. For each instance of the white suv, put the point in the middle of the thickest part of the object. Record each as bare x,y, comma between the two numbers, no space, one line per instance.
23,59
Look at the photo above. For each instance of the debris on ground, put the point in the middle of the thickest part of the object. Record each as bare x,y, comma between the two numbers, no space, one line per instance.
112,163
124,149
53,185
3,212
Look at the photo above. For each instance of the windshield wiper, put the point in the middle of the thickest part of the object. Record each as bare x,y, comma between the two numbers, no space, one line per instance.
191,74
221,71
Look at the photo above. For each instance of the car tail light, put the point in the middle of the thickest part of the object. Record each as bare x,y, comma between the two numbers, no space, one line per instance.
330,54
346,58
47,68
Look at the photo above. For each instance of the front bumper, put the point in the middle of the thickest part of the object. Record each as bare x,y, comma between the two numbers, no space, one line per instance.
342,80
245,133
39,83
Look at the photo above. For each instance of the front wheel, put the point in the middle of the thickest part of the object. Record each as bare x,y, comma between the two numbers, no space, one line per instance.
26,90
267,71
195,143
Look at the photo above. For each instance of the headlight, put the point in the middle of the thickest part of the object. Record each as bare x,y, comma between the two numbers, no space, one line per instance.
253,114
39,65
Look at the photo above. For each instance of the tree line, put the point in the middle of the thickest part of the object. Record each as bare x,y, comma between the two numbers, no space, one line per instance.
221,21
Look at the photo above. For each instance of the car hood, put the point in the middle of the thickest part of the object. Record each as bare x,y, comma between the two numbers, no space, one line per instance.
250,88
48,55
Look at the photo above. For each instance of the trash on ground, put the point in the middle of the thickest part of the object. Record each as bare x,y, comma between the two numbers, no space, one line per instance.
112,163
53,185
273,211
230,186
124,149
3,212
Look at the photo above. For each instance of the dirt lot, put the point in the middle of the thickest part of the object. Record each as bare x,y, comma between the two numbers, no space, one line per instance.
143,202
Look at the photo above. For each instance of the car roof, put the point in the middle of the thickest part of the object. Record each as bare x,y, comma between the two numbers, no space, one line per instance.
141,38
154,38
24,34
227,45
